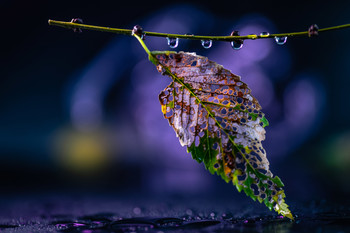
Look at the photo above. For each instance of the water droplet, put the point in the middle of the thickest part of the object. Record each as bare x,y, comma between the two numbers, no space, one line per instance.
61,226
173,42
234,33
206,43
237,44
137,210
253,36
281,40
264,34
313,30
138,31
77,20
189,212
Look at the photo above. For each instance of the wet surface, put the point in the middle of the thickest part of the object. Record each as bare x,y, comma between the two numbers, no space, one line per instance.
96,215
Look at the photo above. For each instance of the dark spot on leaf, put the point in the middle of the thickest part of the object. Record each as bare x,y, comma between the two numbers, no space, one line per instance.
241,166
263,171
255,189
178,57
242,177
169,114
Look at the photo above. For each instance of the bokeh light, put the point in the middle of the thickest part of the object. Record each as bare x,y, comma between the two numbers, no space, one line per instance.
82,153
86,104
295,114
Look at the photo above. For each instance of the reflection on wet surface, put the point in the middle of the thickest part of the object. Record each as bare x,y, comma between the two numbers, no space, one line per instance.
329,222
92,216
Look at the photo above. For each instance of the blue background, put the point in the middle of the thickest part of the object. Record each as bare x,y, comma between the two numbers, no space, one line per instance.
80,111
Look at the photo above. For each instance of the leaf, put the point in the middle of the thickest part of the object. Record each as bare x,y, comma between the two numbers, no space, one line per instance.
214,114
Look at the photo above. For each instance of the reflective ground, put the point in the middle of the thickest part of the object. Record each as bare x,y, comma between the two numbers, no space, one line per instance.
77,213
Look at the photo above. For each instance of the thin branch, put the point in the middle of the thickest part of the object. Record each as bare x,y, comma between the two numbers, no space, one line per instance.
71,25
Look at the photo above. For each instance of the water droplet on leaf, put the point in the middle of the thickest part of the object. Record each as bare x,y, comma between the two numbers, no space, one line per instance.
206,43
281,40
173,42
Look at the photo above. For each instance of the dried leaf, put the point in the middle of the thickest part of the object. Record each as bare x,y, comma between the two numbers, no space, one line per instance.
214,114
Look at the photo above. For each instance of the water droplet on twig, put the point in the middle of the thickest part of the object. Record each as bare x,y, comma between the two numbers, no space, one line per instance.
77,20
206,43
264,34
281,40
173,42
137,30
313,30
237,43
253,36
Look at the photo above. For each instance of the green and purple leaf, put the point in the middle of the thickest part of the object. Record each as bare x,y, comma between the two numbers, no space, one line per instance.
214,114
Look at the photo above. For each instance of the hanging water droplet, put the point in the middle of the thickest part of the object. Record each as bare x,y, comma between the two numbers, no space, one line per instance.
237,44
206,43
264,34
173,42
281,40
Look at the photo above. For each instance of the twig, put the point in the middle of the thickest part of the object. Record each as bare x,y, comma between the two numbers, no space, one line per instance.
71,25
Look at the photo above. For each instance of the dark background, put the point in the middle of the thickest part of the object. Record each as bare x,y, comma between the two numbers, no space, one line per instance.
44,149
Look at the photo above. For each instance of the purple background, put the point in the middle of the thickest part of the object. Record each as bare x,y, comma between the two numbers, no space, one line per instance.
80,112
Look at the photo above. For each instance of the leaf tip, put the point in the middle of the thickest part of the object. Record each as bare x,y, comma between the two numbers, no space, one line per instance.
290,216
